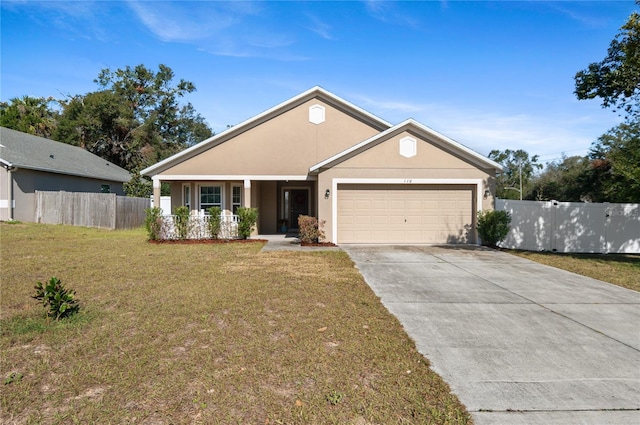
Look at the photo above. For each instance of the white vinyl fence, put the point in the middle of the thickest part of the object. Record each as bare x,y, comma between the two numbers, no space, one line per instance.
165,204
572,226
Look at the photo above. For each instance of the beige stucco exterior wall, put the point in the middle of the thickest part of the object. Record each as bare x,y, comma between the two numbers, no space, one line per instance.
286,145
384,161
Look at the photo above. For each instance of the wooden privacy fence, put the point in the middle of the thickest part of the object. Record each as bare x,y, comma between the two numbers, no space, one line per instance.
572,226
105,210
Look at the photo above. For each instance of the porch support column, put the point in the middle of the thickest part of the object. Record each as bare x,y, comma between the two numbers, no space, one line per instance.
247,193
156,191
10,169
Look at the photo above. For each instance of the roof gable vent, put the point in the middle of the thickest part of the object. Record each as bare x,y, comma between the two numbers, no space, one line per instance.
408,147
316,114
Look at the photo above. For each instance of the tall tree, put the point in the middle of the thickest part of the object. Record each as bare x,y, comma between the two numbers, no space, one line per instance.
135,119
33,115
616,164
565,180
616,79
518,170
614,175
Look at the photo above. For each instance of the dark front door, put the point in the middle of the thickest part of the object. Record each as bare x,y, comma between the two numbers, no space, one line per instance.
299,205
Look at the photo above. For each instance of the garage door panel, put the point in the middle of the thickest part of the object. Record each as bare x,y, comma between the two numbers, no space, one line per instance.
395,204
381,220
404,213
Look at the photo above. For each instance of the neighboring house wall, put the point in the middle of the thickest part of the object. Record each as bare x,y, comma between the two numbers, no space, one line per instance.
26,182
572,226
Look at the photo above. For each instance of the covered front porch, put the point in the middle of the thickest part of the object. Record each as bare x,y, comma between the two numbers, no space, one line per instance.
279,201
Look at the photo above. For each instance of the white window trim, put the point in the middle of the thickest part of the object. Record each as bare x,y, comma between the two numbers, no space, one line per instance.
233,186
336,181
186,187
221,185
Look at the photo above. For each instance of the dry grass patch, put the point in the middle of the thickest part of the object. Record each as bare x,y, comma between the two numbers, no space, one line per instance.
203,334
619,269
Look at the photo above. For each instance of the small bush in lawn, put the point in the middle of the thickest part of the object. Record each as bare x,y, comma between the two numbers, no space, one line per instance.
215,221
153,222
247,219
310,229
59,301
493,226
181,217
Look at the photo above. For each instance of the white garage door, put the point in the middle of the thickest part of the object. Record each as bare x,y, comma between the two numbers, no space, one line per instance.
404,213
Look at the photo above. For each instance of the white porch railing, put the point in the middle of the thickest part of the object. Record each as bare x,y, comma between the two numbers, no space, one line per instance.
198,227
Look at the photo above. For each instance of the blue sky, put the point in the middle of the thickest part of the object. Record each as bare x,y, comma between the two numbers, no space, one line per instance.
491,75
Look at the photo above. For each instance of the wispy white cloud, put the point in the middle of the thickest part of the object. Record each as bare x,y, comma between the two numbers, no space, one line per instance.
320,27
484,130
389,13
388,105
174,22
574,12
78,19
232,29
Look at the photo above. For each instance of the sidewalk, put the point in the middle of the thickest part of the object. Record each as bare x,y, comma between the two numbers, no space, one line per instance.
289,242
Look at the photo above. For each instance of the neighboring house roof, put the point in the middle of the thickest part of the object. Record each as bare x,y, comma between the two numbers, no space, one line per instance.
26,151
415,127
315,92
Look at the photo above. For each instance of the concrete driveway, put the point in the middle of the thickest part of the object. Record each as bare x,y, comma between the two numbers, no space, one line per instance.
518,342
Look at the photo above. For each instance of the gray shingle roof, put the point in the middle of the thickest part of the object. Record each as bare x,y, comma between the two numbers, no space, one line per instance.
24,150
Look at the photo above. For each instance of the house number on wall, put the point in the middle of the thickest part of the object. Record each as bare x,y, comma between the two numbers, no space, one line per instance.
407,180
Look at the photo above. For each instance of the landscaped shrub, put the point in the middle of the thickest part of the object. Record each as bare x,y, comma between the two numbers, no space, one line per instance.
59,301
310,229
247,219
493,226
215,221
181,221
153,222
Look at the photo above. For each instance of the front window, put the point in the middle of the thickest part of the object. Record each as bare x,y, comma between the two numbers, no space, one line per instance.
210,196
236,198
186,196
105,188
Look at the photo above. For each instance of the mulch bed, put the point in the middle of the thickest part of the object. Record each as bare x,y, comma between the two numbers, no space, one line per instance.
203,241
317,244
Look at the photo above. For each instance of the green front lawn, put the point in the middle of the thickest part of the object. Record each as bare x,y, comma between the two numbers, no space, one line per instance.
203,334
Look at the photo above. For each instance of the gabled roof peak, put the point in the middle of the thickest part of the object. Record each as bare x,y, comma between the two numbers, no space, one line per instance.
256,120
409,124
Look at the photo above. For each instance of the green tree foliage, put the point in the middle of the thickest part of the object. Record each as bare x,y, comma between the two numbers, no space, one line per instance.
614,172
566,180
616,79
138,186
615,161
32,115
610,173
135,119
518,172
